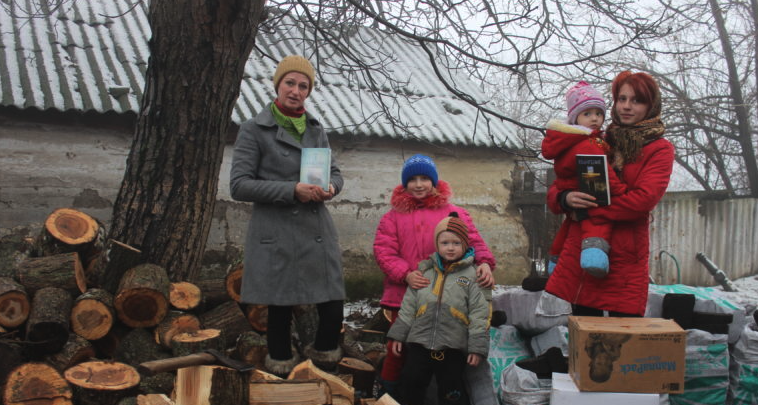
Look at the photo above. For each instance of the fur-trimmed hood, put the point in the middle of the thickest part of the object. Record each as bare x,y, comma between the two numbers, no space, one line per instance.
401,201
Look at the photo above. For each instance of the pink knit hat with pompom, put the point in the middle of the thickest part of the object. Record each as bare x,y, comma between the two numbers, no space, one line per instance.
581,97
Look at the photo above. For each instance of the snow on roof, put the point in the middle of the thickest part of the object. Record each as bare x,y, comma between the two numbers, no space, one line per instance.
92,56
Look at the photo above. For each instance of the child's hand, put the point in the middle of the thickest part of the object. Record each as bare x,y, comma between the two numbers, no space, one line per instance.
474,359
396,347
484,276
416,280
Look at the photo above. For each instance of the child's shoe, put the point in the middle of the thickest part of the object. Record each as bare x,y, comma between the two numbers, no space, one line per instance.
594,258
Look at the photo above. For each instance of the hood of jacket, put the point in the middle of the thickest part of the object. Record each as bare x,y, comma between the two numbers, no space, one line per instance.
560,136
401,201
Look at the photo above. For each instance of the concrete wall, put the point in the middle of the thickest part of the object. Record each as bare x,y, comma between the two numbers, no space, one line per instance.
44,166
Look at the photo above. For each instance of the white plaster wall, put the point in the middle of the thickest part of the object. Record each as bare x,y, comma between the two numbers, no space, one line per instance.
45,166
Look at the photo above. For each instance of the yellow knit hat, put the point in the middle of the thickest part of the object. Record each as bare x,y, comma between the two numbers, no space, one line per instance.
294,63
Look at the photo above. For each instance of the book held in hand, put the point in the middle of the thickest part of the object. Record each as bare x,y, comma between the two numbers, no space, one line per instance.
593,177
316,167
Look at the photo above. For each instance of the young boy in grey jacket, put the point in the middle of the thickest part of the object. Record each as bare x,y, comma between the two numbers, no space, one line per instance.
444,325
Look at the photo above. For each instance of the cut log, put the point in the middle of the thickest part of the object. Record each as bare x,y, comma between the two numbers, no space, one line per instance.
10,353
92,315
14,303
233,282
194,342
340,400
154,399
107,345
210,385
139,346
289,392
368,401
102,383
36,383
173,323
362,372
380,321
368,352
229,319
257,315
61,270
308,371
109,268
258,374
372,336
305,318
386,399
211,281
66,230
252,349
48,322
142,298
76,350
184,296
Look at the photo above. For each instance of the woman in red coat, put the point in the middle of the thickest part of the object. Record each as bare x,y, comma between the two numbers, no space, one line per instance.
644,160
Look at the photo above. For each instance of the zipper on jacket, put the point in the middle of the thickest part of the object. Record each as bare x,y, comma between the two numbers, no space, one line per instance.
439,304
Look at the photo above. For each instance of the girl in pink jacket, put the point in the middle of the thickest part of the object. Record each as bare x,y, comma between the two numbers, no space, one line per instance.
405,236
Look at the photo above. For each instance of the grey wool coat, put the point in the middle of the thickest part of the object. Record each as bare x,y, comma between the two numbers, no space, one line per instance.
291,251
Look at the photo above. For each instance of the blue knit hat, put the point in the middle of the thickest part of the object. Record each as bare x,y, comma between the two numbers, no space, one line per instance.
419,165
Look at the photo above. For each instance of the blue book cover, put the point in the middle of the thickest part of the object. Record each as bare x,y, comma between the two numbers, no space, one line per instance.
316,167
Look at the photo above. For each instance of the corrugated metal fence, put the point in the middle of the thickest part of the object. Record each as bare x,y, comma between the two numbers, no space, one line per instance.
684,224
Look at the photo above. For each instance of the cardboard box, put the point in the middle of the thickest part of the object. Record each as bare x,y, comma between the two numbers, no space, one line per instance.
565,392
627,354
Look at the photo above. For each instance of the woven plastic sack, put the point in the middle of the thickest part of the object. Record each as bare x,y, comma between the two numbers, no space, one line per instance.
557,336
532,312
507,346
743,369
522,387
706,375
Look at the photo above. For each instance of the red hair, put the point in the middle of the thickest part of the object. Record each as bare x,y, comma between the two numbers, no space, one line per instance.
645,88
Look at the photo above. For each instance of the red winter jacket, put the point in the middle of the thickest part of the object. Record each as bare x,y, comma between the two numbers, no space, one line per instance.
405,236
625,287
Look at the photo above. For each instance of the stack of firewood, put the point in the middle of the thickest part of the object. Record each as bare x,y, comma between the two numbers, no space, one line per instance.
71,334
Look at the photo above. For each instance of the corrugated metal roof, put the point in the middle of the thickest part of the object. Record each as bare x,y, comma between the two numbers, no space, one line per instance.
92,56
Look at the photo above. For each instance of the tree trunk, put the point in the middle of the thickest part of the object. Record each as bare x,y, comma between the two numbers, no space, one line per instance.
198,53
14,303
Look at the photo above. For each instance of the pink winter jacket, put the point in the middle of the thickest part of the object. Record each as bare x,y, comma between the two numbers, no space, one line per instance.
405,236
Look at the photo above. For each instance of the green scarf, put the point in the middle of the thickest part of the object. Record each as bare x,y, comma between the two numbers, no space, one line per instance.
295,126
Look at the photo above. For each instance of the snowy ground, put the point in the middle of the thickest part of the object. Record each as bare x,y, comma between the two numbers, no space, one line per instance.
356,313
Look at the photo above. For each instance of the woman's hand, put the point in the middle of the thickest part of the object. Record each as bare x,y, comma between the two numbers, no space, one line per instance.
396,347
416,280
473,359
579,200
309,192
484,276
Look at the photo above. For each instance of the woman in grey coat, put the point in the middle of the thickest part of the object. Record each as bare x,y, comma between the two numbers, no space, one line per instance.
292,256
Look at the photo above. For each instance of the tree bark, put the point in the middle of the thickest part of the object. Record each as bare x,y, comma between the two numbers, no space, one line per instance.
48,323
211,385
63,270
76,350
173,324
229,319
198,53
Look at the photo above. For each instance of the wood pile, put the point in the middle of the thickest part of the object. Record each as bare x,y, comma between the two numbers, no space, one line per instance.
75,329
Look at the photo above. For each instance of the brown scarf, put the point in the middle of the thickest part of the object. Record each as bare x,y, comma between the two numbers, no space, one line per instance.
627,140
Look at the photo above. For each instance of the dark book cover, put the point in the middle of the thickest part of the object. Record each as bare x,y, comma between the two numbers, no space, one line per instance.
593,177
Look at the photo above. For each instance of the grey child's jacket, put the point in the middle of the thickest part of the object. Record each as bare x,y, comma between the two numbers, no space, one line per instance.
451,312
